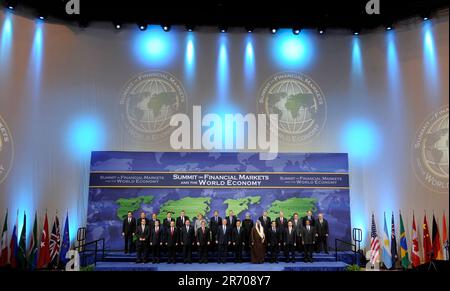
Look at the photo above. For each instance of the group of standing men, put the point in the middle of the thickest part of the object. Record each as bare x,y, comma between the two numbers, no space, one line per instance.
263,238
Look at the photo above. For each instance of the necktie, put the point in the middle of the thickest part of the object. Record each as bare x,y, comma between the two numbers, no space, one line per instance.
203,230
187,229
216,218
143,228
157,228
224,230
182,219
308,227
282,220
129,220
171,231
238,229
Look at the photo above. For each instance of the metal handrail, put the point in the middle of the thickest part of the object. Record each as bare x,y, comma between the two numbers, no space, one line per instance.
82,248
347,243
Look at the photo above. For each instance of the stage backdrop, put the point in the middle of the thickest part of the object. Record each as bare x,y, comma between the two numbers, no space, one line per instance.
202,182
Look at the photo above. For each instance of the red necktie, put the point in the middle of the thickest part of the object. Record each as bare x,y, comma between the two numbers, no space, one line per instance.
171,231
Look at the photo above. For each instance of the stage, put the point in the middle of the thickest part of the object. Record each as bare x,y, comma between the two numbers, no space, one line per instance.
116,261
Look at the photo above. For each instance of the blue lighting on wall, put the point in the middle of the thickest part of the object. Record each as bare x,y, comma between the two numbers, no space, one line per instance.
189,61
292,51
357,68
223,73
154,46
393,70
36,56
86,134
361,139
249,63
431,64
6,38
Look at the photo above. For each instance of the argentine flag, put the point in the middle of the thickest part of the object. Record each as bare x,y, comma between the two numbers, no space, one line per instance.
386,251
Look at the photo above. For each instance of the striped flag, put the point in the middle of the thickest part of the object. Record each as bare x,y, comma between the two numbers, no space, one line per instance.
394,253
55,242
4,243
374,243
403,245
415,257
386,253
437,249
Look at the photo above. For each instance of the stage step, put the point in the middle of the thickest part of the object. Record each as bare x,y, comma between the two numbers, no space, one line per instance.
298,266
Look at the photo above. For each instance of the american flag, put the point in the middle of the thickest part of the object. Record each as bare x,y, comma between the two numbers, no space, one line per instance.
374,243
55,242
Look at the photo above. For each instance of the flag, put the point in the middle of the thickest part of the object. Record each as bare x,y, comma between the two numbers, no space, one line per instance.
403,245
13,245
387,258
394,253
437,248
374,243
4,243
415,258
32,249
22,251
444,237
65,246
55,242
426,241
44,255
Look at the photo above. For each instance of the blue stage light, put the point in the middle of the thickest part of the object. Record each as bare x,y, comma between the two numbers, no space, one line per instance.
292,51
223,69
189,58
249,63
356,58
6,39
154,47
85,134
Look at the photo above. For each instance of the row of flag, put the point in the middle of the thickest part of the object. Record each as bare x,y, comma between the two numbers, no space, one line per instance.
49,253
433,248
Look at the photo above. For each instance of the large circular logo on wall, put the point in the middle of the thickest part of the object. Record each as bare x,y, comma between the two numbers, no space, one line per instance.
6,150
430,151
299,103
149,100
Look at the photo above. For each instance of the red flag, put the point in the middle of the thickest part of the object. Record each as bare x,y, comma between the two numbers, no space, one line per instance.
44,249
426,241
415,259
437,249
444,235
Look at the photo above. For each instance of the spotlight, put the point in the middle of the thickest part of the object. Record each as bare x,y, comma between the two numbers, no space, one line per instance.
249,29
223,28
117,25
321,30
425,15
190,27
142,26
425,18
389,27
356,31
165,27
41,17
11,4
273,30
296,30
10,7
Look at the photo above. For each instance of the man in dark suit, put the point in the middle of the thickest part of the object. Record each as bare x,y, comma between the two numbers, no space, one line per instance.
247,225
171,241
143,235
153,220
290,241
238,239
203,241
187,241
265,222
181,219
156,241
142,216
308,236
168,220
297,224
223,240
128,231
214,224
309,216
231,219
274,239
281,221
322,234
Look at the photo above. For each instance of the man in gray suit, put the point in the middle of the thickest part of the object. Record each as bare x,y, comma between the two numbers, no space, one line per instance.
308,236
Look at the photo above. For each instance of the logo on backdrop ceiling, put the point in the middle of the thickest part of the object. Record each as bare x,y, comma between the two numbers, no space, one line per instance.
6,150
430,151
149,100
299,103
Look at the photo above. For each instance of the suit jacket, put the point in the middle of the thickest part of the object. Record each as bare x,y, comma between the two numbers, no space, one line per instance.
145,234
203,238
232,224
308,237
279,224
274,237
290,238
321,228
312,219
179,223
187,237
247,224
166,222
170,238
152,223
297,226
223,238
129,228
156,237
266,225
213,225
238,238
